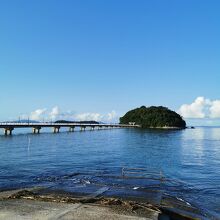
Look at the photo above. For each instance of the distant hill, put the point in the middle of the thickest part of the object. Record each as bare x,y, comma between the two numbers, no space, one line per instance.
81,122
154,117
24,121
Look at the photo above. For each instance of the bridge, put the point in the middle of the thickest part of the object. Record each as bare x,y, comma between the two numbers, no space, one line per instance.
8,127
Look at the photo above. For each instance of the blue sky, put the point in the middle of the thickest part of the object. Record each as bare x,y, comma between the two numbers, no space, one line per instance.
102,56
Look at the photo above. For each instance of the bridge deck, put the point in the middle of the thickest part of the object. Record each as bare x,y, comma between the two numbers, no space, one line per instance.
9,126
45,124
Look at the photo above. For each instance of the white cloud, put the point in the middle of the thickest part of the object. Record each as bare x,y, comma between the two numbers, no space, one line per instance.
89,117
194,110
201,108
111,115
215,109
56,114
37,114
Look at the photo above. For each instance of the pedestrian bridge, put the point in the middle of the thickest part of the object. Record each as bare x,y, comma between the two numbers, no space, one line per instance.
8,127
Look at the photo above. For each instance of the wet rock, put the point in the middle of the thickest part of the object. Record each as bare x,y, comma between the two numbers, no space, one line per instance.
23,194
111,201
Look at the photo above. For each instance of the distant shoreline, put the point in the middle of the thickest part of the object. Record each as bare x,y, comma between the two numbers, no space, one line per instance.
168,128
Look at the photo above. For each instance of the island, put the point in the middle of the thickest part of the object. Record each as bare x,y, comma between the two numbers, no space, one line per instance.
154,117
78,122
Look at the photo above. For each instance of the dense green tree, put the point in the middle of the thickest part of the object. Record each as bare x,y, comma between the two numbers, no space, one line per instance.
154,116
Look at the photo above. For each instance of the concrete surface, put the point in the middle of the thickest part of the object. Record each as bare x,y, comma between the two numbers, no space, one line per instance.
22,209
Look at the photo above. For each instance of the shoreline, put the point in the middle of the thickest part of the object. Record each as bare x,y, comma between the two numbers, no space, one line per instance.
118,208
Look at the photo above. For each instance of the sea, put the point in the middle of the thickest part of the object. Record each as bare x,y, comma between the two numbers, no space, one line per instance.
184,164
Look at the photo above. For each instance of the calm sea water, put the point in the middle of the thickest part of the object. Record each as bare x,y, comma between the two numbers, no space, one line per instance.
189,159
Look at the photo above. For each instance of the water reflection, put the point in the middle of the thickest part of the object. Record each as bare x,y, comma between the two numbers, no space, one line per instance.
215,133
192,147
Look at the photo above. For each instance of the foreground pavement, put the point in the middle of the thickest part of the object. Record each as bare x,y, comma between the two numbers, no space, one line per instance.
28,209
23,205
39,203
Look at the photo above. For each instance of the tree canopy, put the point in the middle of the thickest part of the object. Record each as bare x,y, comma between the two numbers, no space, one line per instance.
153,117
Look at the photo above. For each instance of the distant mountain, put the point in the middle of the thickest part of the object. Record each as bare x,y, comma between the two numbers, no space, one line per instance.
23,121
80,122
154,117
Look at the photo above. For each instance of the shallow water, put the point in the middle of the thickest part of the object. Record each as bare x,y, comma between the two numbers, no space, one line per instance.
188,159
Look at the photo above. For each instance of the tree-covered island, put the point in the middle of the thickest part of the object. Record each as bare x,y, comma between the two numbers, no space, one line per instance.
153,117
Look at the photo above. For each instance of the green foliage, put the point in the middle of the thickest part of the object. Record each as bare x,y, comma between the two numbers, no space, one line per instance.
153,117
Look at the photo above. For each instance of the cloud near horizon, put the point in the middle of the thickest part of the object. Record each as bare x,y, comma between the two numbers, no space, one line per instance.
201,108
37,114
56,114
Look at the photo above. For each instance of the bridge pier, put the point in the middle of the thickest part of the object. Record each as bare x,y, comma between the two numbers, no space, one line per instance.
8,131
36,130
71,129
56,129
92,128
82,128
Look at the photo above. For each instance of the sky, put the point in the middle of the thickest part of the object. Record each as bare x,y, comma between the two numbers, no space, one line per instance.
97,59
